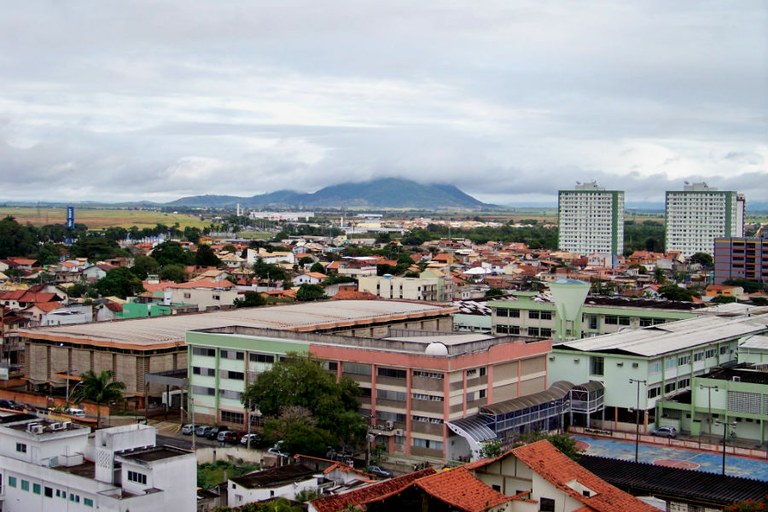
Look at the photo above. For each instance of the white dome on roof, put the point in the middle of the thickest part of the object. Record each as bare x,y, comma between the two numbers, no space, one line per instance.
436,348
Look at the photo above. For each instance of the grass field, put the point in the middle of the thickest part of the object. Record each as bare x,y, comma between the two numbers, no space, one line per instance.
101,218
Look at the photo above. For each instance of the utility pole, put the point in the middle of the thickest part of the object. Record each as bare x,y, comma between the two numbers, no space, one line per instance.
637,417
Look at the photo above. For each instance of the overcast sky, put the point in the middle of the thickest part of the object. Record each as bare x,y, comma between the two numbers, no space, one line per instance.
509,100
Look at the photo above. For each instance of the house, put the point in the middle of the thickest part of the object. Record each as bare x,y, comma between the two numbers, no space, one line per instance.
50,465
276,482
545,479
206,294
309,278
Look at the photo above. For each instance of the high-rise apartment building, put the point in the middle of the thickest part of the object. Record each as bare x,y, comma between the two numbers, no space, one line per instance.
591,220
742,258
698,214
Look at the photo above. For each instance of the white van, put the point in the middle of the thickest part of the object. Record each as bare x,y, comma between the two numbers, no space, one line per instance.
77,413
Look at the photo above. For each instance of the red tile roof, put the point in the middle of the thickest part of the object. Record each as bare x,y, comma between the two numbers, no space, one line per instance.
558,469
462,490
371,493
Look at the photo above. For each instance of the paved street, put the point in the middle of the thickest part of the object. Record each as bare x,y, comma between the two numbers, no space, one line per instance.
710,462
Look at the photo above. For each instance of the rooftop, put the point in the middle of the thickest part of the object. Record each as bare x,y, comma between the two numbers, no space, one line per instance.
275,477
697,486
672,336
169,331
152,454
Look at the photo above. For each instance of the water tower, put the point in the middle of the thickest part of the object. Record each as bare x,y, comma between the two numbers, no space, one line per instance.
569,295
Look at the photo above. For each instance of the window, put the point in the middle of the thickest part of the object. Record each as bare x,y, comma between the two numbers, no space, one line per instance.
261,358
11,481
507,329
49,492
200,351
427,443
611,320
88,502
683,360
74,497
202,390
25,485
134,476
21,447
207,372
481,393
187,295
357,368
392,373
698,356
232,417
232,395
386,394
547,505
428,375
36,489
654,392
668,388
234,375
233,354
596,365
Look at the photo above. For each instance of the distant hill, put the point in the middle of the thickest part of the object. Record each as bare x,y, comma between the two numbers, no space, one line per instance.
383,193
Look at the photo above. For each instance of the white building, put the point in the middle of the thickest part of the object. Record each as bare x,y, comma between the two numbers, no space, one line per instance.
591,220
698,215
648,365
51,466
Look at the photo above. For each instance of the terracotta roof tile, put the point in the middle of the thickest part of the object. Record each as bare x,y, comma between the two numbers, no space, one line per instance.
461,489
558,469
370,493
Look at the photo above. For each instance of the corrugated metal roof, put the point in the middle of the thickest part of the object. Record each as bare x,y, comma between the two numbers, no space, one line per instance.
556,391
672,336
148,331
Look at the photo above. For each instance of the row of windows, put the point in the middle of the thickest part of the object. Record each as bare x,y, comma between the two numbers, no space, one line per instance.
616,320
232,417
423,396
24,485
234,355
134,476
392,373
426,443
427,419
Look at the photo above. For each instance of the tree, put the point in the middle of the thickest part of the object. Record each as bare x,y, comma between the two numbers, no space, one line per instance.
302,381
674,292
95,247
491,449
98,388
15,239
723,299
119,281
310,292
171,252
659,276
173,272
494,292
144,265
269,270
317,267
703,259
250,300
205,257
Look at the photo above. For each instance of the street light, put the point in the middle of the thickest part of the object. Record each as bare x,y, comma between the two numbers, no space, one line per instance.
709,405
637,417
725,431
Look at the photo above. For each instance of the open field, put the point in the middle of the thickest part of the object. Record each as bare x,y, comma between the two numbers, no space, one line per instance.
101,218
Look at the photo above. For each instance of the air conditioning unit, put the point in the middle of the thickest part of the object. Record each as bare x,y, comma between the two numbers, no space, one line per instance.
736,378
65,425
399,432
390,424
31,426
38,429
55,426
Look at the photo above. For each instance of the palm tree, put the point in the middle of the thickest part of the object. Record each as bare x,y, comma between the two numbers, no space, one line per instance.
99,389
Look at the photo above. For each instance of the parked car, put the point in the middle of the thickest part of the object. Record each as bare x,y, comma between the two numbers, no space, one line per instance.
214,431
202,430
188,429
227,436
10,404
378,471
77,413
250,440
278,450
664,431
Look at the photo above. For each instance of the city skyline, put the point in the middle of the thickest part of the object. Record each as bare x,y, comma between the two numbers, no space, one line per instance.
161,100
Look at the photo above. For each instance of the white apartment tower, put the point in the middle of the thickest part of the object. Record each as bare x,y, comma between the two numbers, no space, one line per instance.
591,220
698,214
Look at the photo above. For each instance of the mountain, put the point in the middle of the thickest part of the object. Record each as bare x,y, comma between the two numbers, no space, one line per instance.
383,193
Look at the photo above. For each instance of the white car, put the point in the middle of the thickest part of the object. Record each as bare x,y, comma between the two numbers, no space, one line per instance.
250,439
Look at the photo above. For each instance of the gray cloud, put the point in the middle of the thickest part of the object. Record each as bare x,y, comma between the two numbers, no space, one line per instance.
160,99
